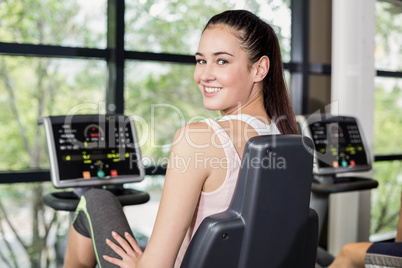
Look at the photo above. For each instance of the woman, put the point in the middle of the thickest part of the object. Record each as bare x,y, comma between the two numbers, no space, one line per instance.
239,72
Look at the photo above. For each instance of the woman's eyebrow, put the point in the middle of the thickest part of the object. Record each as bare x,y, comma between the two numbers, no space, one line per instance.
223,53
215,54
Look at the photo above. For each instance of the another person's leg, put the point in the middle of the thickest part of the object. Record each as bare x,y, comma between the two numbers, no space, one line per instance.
384,254
358,254
98,214
351,255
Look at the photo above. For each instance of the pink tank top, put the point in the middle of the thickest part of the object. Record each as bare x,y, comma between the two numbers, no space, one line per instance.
218,201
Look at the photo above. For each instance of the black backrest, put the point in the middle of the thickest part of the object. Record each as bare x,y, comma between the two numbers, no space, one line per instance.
267,223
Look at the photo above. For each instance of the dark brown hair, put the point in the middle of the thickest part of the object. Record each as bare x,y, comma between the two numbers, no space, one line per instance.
258,39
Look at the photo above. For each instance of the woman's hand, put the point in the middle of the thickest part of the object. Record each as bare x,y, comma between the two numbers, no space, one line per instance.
129,252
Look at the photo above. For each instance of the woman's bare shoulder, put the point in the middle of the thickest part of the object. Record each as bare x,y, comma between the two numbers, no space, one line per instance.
195,134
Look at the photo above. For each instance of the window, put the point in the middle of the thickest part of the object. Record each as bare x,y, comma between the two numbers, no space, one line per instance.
163,26
50,22
33,87
387,120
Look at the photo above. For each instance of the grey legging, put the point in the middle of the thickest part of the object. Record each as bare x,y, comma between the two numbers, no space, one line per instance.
99,213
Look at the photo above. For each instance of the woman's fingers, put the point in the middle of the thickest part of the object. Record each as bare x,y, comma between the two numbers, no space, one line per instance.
113,260
126,250
119,251
133,243
123,243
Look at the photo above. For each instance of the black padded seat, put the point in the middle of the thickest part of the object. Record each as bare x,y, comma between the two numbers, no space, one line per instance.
269,222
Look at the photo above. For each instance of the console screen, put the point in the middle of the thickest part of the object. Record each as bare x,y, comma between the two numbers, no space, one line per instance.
93,149
338,144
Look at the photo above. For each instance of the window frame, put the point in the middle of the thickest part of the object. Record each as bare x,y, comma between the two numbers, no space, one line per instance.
115,55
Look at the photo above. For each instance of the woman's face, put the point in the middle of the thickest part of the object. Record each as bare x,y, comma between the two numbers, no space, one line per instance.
222,72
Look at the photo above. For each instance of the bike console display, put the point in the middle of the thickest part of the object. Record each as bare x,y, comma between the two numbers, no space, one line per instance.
339,143
91,150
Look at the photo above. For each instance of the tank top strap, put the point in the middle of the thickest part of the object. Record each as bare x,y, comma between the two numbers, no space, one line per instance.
224,138
260,127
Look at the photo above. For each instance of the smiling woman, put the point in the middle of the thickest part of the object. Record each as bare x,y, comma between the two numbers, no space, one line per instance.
240,73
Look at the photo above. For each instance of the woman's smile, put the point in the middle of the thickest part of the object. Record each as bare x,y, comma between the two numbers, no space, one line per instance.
212,89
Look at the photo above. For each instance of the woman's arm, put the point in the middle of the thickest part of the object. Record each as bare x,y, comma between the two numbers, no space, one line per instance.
183,184
184,180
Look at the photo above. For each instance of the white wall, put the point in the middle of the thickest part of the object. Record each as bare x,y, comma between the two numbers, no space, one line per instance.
352,93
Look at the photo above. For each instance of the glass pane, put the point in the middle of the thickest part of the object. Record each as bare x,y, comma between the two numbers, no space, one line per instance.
162,97
387,140
388,39
388,116
175,26
53,22
386,199
31,234
34,87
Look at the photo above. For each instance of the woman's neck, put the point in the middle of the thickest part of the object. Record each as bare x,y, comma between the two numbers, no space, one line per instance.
254,108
